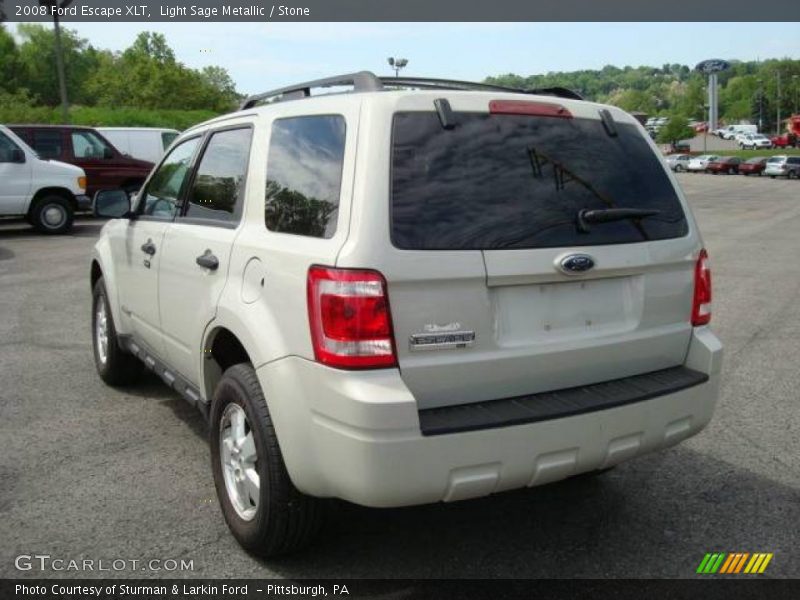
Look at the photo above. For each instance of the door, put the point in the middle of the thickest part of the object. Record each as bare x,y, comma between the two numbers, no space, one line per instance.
15,175
498,288
143,250
197,247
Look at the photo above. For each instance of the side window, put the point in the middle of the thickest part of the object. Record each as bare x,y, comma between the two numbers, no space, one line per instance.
48,144
7,148
304,175
86,144
160,199
216,192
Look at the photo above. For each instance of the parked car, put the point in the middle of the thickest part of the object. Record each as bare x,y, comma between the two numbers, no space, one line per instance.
700,127
321,277
698,164
753,166
46,192
724,164
729,132
678,162
753,141
105,166
783,166
144,143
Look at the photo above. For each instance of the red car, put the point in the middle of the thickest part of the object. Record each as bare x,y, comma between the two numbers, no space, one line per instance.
753,166
724,164
105,166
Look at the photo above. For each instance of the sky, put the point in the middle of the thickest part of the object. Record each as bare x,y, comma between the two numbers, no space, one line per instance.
262,56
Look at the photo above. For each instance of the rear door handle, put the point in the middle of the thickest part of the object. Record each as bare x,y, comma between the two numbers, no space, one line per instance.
208,261
149,247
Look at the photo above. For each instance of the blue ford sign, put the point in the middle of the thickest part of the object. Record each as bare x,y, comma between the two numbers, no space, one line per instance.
713,65
576,263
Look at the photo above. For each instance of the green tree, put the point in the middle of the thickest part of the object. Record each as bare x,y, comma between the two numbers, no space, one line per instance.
147,75
9,59
37,66
676,129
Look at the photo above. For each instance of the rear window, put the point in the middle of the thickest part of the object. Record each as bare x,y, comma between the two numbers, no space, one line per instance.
48,143
518,181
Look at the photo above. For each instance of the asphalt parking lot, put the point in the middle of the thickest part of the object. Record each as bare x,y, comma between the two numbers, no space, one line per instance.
90,472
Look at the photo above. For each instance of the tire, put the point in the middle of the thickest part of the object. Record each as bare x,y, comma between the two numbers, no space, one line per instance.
772,176
267,515
731,171
114,365
52,215
680,169
792,175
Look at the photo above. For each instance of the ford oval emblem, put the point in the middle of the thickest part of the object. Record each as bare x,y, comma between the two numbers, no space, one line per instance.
576,263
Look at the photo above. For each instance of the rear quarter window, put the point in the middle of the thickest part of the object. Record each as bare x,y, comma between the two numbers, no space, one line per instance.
518,181
304,175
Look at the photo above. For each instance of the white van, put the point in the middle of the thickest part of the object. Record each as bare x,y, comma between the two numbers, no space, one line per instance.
46,192
729,132
144,143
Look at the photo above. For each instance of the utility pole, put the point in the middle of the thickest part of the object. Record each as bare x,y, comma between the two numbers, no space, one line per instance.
760,105
53,6
795,79
778,104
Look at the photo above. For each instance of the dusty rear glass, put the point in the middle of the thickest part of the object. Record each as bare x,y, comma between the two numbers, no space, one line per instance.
518,181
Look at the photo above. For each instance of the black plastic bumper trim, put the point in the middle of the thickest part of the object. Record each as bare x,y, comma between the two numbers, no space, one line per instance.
557,404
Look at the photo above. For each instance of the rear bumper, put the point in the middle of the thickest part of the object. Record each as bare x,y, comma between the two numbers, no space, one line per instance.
357,436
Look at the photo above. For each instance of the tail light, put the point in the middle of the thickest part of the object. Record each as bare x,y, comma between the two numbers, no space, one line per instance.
701,306
351,325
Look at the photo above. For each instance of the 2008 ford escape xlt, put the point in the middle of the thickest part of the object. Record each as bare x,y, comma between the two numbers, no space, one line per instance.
418,291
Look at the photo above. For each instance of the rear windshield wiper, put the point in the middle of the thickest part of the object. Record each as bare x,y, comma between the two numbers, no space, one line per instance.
607,215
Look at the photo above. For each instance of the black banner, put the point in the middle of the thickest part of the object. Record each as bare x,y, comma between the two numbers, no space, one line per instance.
401,589
407,10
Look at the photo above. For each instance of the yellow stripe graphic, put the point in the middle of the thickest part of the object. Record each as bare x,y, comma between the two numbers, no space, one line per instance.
754,563
728,562
765,563
741,562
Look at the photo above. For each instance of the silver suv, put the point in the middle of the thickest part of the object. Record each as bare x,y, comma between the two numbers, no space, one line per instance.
418,291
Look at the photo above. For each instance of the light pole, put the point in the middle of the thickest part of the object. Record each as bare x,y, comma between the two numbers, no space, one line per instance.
760,105
778,106
795,79
708,127
397,64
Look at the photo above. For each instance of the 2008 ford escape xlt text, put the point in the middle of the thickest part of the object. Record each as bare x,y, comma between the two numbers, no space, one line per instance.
418,291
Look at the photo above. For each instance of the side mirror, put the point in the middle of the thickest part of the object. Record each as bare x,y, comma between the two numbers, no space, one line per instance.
112,204
108,153
17,156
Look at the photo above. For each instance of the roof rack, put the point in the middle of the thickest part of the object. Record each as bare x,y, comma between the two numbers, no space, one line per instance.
365,81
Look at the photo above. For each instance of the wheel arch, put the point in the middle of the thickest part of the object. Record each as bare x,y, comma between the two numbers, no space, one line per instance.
102,265
53,191
222,348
